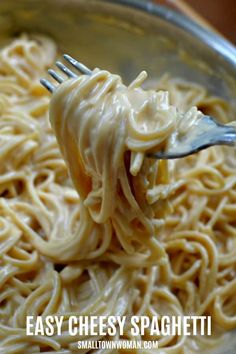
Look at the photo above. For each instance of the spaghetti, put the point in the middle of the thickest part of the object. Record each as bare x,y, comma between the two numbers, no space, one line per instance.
142,237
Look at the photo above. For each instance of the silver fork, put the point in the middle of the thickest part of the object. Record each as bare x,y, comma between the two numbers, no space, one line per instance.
213,134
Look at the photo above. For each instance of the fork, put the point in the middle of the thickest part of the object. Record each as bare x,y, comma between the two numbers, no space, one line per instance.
208,133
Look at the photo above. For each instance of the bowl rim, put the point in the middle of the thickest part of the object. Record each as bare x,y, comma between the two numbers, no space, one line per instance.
216,42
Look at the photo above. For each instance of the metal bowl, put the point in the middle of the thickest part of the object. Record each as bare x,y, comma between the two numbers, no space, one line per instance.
127,36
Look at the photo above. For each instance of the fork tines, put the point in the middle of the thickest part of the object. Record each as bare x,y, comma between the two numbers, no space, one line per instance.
65,70
77,65
47,84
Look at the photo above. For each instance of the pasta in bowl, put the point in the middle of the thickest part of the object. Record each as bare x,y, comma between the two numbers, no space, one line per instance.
142,237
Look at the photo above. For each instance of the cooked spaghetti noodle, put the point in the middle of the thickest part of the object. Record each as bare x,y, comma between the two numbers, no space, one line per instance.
142,237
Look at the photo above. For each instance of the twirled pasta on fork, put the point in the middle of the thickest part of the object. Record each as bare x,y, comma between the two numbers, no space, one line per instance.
120,234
